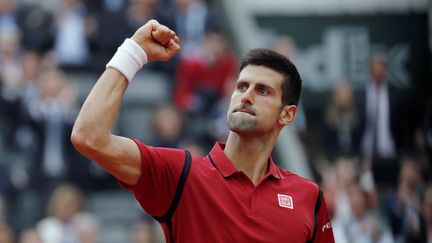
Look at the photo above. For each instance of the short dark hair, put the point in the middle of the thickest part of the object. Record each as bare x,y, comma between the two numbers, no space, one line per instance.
291,86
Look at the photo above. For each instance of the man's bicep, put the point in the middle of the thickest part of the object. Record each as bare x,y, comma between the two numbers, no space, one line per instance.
121,158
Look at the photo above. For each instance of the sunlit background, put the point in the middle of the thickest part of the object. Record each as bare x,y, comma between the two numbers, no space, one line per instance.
363,130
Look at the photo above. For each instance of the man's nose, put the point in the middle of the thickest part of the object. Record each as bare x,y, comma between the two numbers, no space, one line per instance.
247,96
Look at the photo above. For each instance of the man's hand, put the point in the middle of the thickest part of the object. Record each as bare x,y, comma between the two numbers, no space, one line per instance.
158,41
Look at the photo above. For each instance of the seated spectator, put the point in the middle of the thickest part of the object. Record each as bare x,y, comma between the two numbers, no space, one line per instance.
200,82
346,175
342,127
66,219
142,232
30,236
403,204
87,228
427,211
168,126
6,234
330,190
364,226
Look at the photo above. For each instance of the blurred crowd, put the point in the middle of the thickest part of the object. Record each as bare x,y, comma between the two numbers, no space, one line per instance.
373,159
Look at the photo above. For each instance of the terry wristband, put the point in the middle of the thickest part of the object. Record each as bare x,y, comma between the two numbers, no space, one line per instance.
128,59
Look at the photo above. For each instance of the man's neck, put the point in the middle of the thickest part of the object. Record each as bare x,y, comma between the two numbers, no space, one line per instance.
250,154
378,83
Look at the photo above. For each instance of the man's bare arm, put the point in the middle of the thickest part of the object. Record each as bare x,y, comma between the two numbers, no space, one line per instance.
91,133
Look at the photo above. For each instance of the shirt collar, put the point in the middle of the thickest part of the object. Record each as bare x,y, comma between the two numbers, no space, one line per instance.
225,167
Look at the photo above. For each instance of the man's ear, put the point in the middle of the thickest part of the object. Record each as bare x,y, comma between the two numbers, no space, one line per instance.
287,115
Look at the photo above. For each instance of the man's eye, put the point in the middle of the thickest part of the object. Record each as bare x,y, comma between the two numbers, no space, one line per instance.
263,91
241,87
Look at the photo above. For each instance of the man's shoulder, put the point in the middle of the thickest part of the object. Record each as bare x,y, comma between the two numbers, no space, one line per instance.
300,181
157,149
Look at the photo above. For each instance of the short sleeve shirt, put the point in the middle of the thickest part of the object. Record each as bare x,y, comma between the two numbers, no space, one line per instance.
221,204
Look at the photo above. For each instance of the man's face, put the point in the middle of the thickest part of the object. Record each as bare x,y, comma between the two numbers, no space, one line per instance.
256,103
378,69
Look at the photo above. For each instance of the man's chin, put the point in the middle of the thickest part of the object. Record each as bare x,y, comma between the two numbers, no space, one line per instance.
240,121
243,128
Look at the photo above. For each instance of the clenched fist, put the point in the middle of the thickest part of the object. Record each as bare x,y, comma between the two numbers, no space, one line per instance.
158,41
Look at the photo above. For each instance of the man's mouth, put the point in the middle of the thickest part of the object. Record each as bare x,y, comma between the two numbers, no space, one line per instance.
244,110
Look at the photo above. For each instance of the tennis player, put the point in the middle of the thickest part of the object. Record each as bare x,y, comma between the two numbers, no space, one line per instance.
236,193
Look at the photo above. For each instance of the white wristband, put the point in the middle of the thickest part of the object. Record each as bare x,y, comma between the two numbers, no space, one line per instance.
128,59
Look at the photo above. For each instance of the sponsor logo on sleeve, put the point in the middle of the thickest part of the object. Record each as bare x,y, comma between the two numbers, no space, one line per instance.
326,226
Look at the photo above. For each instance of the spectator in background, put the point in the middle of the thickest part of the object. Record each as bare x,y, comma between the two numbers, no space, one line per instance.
169,130
66,221
2,210
342,127
331,193
385,134
424,145
364,226
337,180
8,25
51,113
142,232
6,234
36,25
21,135
10,86
87,228
168,126
378,139
201,81
70,43
30,67
30,236
191,20
10,74
141,11
403,204
427,210
109,16
346,175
